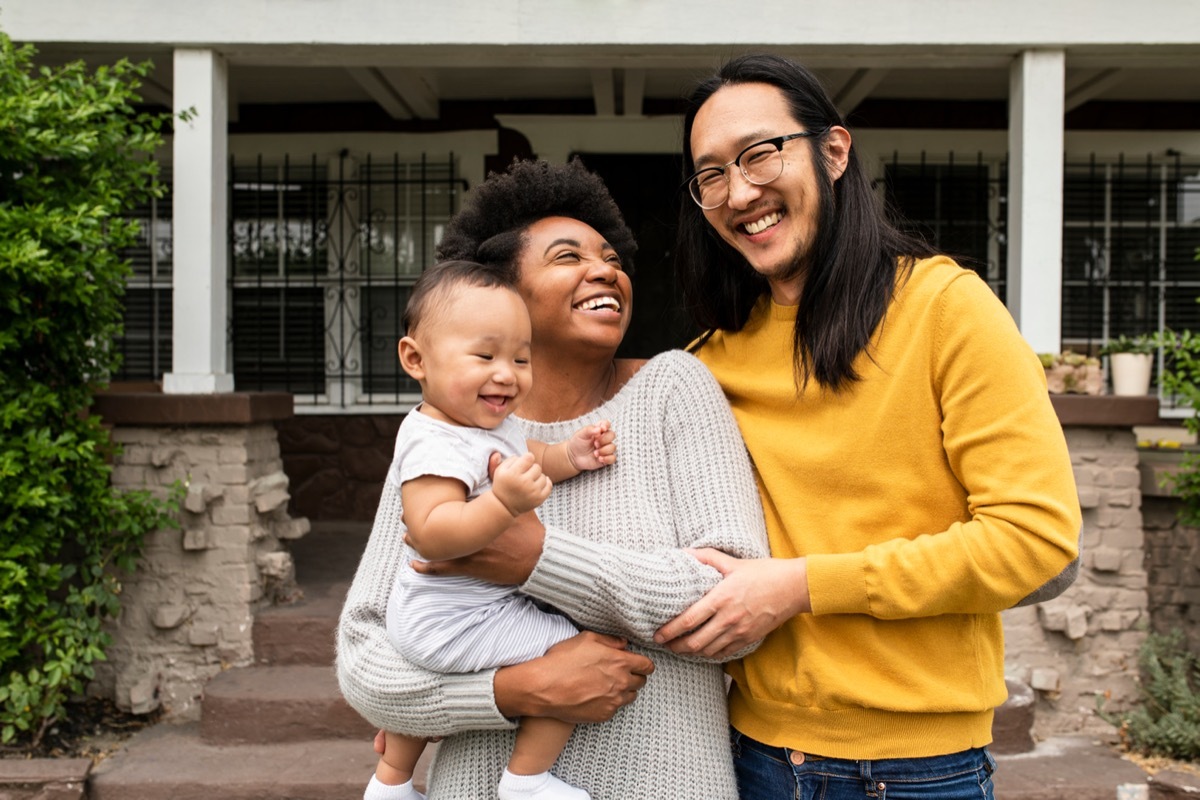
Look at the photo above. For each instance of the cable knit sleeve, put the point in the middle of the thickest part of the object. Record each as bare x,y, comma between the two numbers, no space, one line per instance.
685,469
375,679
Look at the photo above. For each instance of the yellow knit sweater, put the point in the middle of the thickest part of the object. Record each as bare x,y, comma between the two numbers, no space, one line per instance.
929,496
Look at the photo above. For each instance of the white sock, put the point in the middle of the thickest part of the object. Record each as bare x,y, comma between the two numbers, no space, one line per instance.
378,790
542,786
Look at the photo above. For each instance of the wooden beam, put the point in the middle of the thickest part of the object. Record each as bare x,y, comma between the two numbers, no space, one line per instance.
603,92
858,88
635,92
154,92
414,90
381,91
1092,86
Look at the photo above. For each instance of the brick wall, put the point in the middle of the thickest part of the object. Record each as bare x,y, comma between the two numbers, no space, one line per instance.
337,463
1083,644
1173,567
188,612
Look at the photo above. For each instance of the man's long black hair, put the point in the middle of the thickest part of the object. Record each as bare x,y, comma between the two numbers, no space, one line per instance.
849,273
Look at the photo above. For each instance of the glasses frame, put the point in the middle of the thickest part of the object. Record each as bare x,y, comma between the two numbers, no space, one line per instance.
776,141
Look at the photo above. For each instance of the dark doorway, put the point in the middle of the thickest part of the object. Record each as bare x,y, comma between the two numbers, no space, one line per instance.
645,188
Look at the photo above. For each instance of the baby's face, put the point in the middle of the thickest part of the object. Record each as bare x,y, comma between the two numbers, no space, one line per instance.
475,350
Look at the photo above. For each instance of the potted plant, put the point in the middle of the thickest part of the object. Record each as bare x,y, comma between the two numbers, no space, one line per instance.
1130,359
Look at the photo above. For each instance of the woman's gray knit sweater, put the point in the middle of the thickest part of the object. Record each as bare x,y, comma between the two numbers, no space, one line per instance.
612,562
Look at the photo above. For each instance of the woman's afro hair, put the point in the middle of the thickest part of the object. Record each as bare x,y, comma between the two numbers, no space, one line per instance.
490,228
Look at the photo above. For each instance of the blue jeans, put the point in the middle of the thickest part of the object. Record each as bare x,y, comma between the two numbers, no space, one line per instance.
771,773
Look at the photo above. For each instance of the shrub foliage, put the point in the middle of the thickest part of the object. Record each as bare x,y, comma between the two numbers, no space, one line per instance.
1166,721
74,159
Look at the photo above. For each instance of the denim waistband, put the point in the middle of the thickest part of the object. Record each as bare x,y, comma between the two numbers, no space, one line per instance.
891,770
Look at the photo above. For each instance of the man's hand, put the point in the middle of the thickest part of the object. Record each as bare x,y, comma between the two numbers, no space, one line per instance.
509,560
583,679
754,597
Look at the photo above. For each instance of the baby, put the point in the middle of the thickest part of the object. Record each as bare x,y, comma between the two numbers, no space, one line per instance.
468,345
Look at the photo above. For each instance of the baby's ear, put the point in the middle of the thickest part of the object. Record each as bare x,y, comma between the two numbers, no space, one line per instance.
411,359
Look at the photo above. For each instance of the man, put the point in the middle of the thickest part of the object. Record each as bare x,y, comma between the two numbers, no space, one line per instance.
914,476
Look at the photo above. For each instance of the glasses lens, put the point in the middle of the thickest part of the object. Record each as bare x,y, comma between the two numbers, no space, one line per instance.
708,188
762,163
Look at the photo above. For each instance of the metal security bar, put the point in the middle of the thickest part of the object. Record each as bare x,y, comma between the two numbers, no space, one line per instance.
958,205
323,257
145,345
1130,233
1131,228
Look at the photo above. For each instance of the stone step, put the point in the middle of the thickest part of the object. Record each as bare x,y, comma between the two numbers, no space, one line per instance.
1012,725
173,762
300,633
265,705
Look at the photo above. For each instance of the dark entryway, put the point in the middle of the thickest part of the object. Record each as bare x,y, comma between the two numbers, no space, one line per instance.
645,188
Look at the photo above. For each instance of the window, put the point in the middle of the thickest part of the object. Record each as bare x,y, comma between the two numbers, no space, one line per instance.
957,207
323,259
145,345
1130,233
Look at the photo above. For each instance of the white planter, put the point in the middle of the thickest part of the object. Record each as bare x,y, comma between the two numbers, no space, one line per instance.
1130,373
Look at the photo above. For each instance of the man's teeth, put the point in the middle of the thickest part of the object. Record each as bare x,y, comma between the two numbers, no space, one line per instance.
760,225
600,302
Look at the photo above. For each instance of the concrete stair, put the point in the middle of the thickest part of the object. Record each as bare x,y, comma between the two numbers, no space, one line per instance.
278,730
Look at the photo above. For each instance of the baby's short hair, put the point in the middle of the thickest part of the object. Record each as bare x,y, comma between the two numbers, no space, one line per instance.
436,284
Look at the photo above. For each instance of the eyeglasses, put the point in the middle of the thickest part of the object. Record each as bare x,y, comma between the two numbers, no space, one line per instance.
760,163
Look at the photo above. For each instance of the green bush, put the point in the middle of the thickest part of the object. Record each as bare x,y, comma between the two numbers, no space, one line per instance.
74,158
1181,378
1167,720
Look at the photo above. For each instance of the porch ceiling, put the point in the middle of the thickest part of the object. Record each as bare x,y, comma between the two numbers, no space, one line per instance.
417,77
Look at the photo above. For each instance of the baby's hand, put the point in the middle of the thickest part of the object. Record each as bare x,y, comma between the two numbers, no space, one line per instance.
520,484
593,447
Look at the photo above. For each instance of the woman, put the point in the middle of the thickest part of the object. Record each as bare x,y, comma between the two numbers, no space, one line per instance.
612,552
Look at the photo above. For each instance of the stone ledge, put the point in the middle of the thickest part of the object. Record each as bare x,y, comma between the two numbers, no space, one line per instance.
36,778
158,409
1105,410
1155,464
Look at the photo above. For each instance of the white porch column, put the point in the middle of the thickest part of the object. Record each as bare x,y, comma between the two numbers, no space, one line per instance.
201,147
1035,196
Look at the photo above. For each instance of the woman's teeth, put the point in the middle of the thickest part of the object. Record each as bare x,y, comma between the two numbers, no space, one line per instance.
600,302
760,225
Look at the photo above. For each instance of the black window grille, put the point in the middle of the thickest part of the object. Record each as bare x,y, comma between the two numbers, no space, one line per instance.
1131,229
1130,233
324,255
145,344
957,205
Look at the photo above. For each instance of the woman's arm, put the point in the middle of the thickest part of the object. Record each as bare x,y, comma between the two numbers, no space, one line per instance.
393,694
706,480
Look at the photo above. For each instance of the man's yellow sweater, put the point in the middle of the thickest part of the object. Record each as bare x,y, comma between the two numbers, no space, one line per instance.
927,497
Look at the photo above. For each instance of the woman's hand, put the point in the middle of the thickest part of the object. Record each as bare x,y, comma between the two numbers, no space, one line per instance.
583,679
508,560
754,597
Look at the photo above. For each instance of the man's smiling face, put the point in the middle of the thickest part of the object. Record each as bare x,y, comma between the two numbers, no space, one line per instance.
773,226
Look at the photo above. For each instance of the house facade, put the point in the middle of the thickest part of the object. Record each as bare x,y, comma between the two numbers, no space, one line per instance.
1054,147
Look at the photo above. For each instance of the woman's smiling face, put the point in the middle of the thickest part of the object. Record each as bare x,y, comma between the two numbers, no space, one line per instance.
573,283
